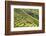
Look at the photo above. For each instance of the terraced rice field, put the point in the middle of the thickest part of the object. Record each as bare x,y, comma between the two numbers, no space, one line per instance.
26,17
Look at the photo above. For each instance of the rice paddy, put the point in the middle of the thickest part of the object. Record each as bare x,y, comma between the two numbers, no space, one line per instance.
26,17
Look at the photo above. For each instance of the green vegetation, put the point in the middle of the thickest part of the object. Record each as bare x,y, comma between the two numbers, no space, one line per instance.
26,17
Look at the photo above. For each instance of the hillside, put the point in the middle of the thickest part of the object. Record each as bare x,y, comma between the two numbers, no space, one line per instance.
26,17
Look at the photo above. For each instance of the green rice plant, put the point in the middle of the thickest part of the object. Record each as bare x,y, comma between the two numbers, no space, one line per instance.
26,17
